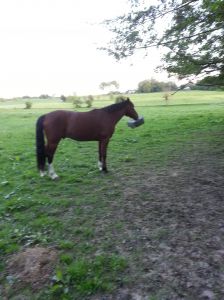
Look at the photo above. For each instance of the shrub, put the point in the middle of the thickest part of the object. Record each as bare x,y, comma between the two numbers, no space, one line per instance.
166,97
89,101
63,98
77,102
28,105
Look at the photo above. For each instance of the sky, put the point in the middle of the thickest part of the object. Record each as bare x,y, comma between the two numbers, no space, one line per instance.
50,47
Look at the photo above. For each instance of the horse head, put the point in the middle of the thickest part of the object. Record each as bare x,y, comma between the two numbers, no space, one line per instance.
130,110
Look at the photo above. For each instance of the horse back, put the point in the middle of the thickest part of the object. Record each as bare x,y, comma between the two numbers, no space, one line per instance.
87,126
83,126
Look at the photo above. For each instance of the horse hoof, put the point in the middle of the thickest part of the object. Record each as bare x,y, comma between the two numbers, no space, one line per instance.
100,165
54,177
43,173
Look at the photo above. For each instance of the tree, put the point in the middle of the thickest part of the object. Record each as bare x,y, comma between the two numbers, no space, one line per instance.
63,98
152,86
193,35
89,101
77,102
28,105
105,85
44,96
144,86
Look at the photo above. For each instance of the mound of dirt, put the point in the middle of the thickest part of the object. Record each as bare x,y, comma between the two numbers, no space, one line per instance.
32,266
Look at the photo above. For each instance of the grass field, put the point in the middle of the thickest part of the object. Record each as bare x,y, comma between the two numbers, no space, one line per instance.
151,228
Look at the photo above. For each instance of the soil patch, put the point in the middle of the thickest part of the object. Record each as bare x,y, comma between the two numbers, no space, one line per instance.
173,228
33,266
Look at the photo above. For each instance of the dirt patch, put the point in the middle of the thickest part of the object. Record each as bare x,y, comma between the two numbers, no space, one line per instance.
173,228
33,266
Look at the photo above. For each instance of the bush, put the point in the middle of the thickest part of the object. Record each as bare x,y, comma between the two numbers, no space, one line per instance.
89,101
44,96
77,102
166,97
28,105
63,98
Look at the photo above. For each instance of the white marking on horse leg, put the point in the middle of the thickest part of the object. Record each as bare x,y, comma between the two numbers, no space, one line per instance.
42,173
51,172
100,165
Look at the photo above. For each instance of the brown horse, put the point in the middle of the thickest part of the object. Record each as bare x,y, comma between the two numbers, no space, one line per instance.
95,125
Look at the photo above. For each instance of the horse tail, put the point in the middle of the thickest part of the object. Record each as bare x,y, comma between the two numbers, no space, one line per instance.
40,144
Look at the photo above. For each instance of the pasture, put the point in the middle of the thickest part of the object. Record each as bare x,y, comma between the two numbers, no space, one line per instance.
150,229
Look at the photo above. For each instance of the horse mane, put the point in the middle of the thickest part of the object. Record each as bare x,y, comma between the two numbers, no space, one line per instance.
115,107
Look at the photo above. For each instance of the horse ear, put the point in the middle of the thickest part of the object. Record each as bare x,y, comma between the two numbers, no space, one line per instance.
128,99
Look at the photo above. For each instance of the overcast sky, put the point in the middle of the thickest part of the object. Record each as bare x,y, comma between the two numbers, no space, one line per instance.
50,47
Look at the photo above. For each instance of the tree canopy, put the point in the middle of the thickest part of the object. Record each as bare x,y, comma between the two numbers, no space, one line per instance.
113,83
152,86
192,31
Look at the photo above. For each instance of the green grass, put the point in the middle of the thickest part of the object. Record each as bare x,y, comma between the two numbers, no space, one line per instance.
75,214
84,277
152,99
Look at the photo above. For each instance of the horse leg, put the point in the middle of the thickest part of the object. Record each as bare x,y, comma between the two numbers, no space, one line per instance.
100,164
50,150
103,154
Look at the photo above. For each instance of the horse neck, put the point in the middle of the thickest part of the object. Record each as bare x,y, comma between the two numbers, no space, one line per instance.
116,116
